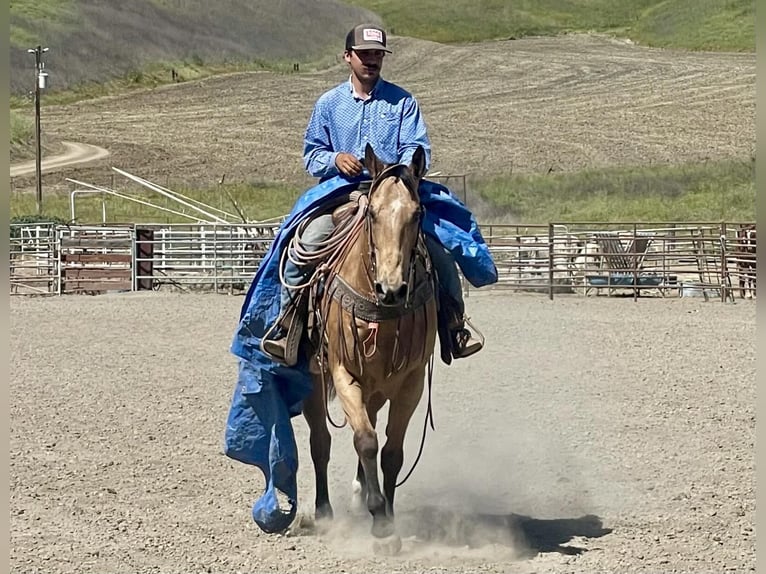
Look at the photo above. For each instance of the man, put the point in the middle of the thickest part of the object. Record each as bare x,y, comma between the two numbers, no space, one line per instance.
365,109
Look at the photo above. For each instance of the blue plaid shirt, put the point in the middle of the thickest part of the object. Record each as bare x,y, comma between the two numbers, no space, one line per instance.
389,119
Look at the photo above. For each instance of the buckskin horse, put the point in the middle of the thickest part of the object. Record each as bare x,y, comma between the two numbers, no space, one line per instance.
374,338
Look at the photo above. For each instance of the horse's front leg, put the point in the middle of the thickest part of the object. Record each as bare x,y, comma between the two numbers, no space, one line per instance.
399,415
359,493
349,392
314,410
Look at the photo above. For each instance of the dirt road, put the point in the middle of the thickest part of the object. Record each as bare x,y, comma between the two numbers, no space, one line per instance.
591,435
74,154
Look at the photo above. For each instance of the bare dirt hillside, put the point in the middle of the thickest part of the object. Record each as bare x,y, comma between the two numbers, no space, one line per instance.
527,105
96,41
590,435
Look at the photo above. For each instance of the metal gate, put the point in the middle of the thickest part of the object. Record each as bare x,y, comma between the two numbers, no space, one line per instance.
95,259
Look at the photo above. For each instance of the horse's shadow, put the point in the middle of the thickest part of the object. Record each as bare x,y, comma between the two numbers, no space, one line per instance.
522,533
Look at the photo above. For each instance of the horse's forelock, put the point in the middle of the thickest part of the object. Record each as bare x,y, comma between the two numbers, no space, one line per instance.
402,172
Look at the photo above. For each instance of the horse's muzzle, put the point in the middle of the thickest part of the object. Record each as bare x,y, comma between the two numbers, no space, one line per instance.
391,296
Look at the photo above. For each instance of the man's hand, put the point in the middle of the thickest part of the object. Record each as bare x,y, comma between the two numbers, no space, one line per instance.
348,165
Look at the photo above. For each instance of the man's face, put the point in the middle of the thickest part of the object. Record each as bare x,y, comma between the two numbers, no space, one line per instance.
365,64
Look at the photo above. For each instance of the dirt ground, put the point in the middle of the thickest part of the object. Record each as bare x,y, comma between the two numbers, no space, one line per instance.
530,105
591,435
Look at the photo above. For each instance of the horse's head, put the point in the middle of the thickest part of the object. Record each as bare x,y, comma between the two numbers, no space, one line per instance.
393,216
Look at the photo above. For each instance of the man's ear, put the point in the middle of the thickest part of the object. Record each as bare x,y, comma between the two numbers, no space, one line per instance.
347,56
418,164
371,162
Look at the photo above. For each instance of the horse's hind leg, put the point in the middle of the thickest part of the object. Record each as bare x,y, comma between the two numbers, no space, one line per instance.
314,410
399,415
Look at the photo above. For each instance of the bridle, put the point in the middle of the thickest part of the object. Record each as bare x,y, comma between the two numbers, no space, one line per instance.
392,171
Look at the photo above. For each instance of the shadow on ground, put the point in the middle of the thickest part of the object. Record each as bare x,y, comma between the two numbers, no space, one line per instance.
452,528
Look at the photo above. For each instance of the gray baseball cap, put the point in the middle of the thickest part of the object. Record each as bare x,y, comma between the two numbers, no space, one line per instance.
367,37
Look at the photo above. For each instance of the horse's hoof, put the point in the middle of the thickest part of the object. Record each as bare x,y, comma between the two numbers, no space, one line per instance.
382,527
302,525
388,546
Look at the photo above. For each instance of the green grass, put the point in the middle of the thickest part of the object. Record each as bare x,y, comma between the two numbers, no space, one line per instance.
698,192
24,29
687,24
257,201
725,25
715,191
22,129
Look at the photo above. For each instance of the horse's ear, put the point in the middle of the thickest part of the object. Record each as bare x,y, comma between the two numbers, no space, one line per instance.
371,161
418,164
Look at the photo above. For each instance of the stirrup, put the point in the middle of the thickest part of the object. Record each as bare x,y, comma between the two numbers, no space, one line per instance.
284,349
463,343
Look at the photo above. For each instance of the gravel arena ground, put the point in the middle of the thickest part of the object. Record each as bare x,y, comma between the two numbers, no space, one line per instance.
591,435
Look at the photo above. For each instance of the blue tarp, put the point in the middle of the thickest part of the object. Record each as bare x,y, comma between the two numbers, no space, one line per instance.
267,395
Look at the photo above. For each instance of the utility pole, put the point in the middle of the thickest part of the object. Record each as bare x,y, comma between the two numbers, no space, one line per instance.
40,82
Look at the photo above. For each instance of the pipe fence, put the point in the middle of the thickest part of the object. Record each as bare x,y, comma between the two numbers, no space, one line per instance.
705,259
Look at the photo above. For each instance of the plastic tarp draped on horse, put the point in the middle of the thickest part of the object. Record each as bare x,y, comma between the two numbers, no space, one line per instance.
267,395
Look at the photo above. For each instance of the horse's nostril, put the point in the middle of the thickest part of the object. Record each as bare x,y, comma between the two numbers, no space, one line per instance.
388,295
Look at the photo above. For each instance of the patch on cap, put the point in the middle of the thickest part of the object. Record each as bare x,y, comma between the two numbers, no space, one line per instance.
372,35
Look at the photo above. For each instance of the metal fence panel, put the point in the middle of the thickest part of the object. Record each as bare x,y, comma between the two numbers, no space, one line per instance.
590,258
33,259
217,257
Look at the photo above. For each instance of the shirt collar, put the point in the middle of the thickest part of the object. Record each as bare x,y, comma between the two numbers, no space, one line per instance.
374,89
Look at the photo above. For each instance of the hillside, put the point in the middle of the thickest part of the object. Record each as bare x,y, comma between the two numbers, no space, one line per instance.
94,41
98,40
709,25
537,105
523,106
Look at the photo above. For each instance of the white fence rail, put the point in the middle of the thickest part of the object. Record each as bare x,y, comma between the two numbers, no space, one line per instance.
211,256
705,259
33,265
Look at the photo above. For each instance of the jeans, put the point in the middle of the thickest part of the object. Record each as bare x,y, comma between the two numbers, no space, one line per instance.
319,229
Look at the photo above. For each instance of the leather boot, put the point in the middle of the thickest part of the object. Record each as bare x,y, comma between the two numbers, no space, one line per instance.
455,340
282,341
463,343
